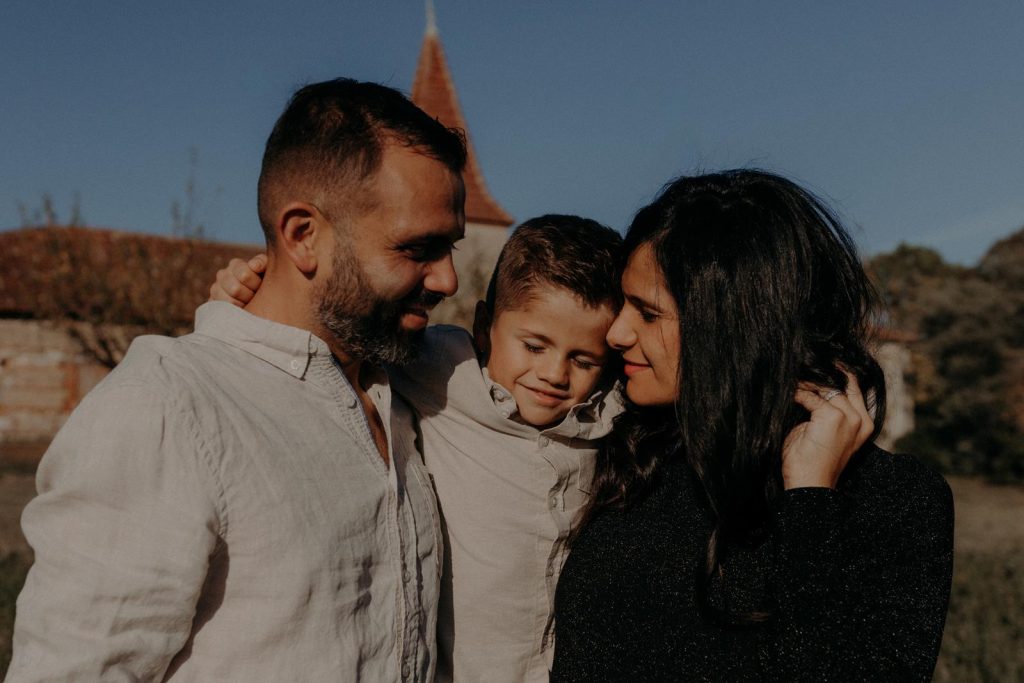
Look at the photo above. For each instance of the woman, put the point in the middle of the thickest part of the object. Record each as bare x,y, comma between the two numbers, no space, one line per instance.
722,542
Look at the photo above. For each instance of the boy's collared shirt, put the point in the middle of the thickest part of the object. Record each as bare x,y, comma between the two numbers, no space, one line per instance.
509,494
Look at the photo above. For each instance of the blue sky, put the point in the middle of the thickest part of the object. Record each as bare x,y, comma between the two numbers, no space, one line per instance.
908,117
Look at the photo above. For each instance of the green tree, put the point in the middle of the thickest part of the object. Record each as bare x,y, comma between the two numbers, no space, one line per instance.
969,361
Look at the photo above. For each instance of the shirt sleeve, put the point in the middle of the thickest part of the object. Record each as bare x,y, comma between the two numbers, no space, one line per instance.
445,354
123,527
861,594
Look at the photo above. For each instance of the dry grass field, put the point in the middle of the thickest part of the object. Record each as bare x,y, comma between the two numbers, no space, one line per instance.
984,639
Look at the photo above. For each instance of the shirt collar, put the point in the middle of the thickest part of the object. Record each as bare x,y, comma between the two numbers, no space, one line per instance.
589,420
287,348
502,397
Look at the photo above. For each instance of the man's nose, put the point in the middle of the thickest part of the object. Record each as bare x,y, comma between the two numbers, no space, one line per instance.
441,276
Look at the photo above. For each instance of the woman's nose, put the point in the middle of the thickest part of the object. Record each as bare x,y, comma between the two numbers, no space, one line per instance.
621,334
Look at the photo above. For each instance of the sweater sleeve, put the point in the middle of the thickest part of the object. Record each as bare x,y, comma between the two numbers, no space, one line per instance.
862,585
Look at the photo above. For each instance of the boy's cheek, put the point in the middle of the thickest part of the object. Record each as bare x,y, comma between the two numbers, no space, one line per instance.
589,384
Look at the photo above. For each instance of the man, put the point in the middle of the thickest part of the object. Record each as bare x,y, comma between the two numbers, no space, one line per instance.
246,502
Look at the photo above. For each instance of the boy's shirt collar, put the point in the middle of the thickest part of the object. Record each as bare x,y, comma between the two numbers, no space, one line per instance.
591,419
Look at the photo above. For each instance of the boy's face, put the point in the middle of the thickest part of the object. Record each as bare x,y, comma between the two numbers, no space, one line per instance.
549,353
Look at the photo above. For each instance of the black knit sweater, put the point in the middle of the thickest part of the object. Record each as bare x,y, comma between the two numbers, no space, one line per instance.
856,582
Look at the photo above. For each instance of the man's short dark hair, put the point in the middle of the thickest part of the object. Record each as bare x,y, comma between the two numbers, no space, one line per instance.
576,254
331,137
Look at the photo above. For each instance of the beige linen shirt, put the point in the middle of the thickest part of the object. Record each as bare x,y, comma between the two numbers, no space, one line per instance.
509,493
216,510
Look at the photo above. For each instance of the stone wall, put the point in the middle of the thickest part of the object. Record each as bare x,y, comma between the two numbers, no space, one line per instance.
895,360
43,376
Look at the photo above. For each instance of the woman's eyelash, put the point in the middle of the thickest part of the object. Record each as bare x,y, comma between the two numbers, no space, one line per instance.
533,349
648,317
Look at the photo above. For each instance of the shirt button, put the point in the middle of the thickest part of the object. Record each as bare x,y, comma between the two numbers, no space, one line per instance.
405,671
554,501
544,441
405,575
295,365
351,401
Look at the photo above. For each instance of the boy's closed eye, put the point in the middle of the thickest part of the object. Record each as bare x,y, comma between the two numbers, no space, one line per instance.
586,364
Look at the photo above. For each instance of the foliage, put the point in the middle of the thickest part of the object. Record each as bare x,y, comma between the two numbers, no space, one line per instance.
185,221
46,212
107,287
107,297
968,376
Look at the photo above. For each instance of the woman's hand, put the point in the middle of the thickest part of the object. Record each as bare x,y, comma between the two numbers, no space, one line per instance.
816,451
237,284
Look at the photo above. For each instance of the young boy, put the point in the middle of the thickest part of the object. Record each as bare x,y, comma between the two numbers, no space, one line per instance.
509,423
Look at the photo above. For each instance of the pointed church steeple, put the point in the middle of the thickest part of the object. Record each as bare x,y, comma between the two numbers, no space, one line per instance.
434,92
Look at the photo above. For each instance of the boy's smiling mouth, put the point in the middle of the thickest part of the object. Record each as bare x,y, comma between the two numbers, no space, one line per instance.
546,397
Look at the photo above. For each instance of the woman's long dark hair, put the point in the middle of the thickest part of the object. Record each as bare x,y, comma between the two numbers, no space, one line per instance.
771,293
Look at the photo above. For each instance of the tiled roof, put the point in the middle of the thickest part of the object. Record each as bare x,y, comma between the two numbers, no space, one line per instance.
434,91
100,275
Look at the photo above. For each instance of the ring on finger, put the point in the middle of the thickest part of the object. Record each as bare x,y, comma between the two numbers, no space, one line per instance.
831,395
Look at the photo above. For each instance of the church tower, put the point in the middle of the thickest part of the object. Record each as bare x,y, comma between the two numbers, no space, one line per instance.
486,221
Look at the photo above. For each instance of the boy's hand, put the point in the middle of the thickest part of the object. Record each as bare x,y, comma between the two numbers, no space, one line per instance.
237,284
816,451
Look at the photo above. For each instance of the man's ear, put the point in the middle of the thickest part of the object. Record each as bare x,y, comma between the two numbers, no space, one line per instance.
482,330
301,229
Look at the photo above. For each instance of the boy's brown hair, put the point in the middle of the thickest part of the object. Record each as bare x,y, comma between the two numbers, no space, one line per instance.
577,254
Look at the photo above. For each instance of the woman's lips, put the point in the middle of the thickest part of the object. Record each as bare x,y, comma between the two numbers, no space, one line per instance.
632,368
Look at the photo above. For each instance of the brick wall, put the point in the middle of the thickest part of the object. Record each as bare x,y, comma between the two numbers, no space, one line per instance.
43,376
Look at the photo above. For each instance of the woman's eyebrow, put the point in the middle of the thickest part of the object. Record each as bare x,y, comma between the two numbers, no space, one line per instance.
641,303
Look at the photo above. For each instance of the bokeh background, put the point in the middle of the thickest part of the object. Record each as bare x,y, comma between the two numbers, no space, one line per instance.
131,136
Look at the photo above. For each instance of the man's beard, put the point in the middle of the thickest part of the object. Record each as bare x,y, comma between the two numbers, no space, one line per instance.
365,325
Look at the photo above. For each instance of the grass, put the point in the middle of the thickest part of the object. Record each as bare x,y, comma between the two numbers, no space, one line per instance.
984,637
12,576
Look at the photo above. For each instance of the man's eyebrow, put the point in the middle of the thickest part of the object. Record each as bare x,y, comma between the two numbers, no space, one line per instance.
437,238
446,235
